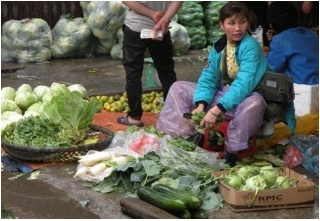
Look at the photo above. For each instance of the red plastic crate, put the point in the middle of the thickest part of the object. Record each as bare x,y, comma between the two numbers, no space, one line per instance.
222,127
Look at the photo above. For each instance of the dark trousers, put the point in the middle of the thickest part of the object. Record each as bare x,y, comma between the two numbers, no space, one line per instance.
133,60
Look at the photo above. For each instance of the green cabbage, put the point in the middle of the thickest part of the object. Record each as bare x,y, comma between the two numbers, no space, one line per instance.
79,88
8,93
9,105
46,98
24,88
29,40
72,37
37,107
55,88
25,100
40,90
9,117
29,113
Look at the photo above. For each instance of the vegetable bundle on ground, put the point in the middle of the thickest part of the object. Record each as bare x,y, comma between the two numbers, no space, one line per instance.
27,40
104,21
211,20
62,120
72,37
97,165
191,15
180,38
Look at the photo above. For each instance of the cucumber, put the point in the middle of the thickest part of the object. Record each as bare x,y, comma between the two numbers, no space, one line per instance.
183,215
191,201
199,214
163,201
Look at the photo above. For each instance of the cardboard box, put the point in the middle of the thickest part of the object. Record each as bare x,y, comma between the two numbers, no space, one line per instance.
301,196
306,99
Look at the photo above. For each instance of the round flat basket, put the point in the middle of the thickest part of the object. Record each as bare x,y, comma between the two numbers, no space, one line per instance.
60,154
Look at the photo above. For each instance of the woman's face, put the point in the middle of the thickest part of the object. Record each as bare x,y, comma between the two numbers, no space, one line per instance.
235,27
306,7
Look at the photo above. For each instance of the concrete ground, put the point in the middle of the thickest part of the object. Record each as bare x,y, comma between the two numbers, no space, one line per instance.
56,194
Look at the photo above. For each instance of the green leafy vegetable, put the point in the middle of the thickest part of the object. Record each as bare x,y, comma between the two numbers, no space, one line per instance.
151,168
71,112
63,120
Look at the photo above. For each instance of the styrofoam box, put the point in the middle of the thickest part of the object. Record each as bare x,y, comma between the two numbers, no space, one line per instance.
306,99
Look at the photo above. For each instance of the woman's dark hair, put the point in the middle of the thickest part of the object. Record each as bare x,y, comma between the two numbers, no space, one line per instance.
282,16
234,8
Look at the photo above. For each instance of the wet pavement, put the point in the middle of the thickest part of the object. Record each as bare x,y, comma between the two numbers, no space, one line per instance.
56,194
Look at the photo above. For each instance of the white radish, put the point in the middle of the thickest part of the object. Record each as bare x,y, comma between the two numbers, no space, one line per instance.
92,159
120,160
81,172
80,157
107,172
113,155
97,169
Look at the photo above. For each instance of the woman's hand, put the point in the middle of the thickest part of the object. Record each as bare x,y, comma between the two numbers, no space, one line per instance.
210,118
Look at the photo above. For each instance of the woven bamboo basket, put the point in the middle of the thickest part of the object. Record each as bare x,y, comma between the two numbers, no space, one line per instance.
60,154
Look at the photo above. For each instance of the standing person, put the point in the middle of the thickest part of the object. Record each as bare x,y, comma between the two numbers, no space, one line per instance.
308,13
294,50
258,9
236,64
154,15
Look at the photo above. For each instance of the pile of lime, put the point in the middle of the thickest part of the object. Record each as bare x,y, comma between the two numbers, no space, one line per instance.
151,102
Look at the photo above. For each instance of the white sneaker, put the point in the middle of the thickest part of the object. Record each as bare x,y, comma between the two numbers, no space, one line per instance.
265,130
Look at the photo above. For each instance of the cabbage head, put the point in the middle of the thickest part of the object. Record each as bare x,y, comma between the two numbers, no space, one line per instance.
9,105
55,88
8,93
37,107
46,98
79,88
30,113
24,88
40,90
11,116
25,100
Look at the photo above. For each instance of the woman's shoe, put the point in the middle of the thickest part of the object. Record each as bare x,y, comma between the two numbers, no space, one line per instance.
231,159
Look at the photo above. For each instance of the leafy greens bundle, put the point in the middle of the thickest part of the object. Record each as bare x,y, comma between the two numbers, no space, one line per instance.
63,122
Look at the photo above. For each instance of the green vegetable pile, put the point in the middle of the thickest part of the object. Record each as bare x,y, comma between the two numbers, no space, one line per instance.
191,15
247,177
71,37
149,171
63,121
211,20
26,40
